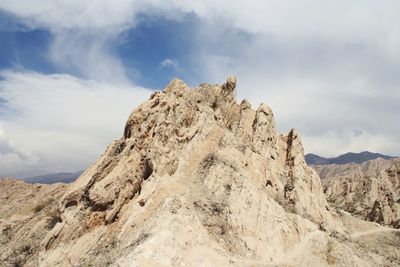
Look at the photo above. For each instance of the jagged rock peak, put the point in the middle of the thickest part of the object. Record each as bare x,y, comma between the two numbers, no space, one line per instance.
217,99
176,85
230,84
194,171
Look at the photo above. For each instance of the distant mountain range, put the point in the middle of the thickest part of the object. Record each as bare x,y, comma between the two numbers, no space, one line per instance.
60,177
350,157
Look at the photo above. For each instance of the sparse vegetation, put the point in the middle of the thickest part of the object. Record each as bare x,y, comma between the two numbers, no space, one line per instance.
41,205
18,262
216,208
26,249
329,257
214,104
142,202
228,187
230,117
210,158
54,217
21,254
142,237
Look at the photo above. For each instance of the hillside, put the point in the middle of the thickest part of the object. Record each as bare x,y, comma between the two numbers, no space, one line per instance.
200,180
27,213
370,191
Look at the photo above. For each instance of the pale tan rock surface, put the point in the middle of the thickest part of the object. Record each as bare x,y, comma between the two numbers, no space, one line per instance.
370,191
199,180
27,214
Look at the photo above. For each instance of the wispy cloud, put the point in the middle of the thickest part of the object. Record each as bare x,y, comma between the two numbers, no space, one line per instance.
63,14
13,157
170,63
83,33
63,123
328,69
88,55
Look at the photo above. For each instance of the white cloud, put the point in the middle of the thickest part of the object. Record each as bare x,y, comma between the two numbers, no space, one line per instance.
327,110
93,14
73,13
59,122
89,55
326,68
345,141
13,157
170,63
83,33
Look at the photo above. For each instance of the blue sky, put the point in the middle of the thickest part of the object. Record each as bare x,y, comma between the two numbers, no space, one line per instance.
142,49
72,71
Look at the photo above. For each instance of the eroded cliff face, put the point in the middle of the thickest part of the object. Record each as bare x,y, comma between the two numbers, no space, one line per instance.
200,180
193,167
370,191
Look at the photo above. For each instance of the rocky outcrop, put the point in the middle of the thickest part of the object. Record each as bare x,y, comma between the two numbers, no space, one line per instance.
27,213
193,167
370,191
200,180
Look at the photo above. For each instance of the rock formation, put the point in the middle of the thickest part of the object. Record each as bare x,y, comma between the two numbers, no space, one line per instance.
370,191
200,180
27,213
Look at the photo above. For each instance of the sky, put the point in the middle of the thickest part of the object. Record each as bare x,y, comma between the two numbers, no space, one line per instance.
71,71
